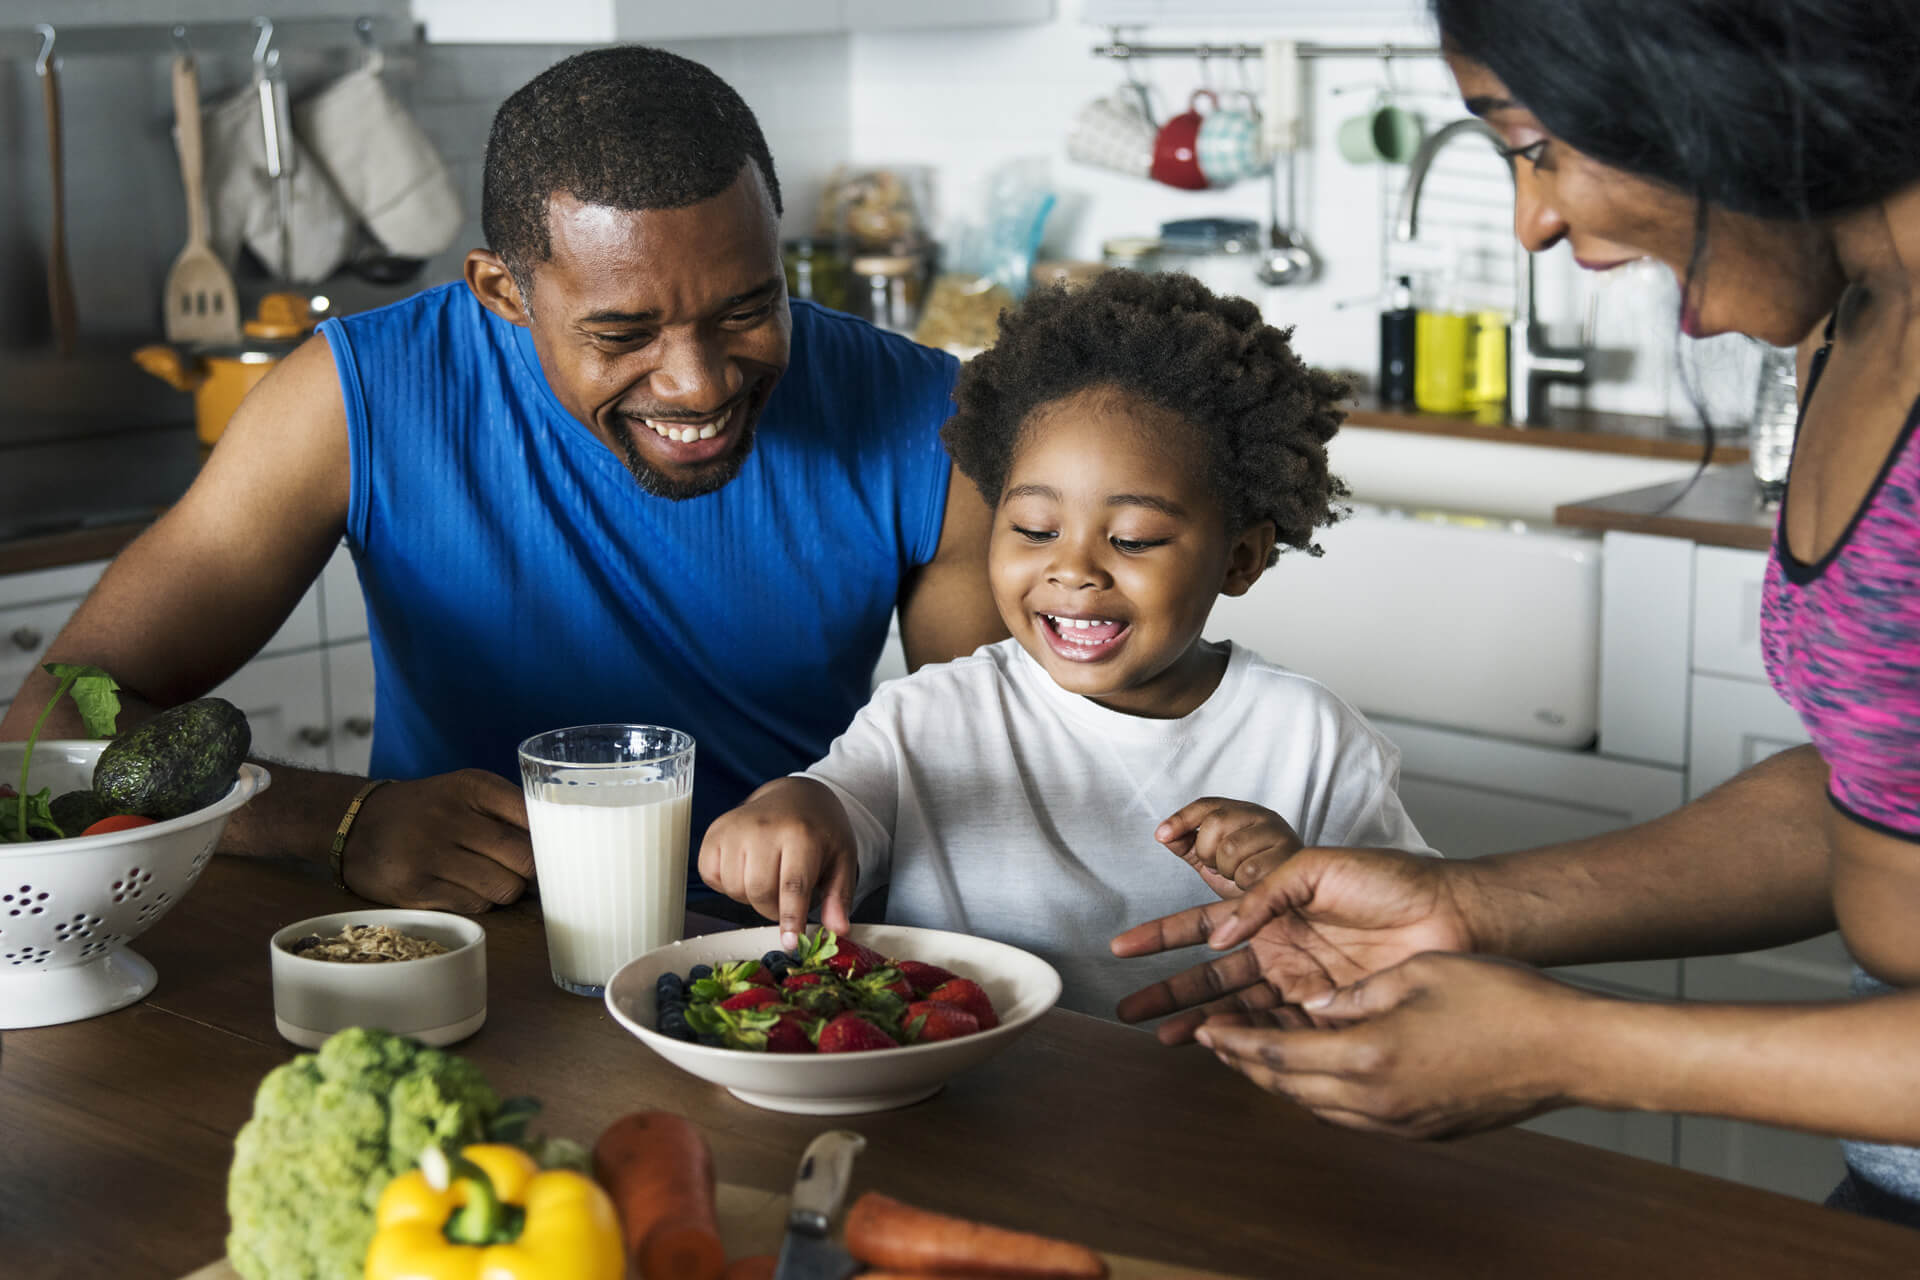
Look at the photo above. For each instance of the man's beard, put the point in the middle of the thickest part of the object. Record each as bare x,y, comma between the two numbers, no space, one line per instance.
714,475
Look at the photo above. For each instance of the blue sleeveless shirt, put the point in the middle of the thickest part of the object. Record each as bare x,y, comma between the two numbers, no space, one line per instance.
518,578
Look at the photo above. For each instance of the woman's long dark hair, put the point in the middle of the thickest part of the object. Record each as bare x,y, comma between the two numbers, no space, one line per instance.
1783,109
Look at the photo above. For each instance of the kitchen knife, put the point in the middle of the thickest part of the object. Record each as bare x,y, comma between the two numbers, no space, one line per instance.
809,1252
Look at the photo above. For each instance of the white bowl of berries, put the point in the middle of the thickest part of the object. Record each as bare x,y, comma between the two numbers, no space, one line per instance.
842,1025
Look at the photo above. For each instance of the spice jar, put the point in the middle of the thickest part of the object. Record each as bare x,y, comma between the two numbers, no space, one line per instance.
816,271
1135,253
888,290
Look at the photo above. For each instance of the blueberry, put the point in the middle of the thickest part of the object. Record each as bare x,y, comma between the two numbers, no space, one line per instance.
713,1041
669,987
699,971
674,1023
776,959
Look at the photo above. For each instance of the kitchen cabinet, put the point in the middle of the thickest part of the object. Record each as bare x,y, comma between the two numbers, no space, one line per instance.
287,691
607,21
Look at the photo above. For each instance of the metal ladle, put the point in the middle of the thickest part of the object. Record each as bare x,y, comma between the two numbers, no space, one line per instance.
1287,260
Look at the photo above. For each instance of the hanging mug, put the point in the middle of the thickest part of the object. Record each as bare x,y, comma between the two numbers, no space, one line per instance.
1114,132
1230,146
1176,158
1385,132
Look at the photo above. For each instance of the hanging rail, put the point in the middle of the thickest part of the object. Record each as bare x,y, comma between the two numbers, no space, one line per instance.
236,36
1123,49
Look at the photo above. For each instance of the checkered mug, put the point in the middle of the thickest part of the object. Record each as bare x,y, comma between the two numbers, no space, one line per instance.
1230,146
1114,132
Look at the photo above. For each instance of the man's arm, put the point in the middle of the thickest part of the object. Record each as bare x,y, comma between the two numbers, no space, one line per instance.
197,595
946,607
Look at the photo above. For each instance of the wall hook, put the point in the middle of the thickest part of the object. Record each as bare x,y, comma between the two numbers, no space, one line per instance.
45,57
263,47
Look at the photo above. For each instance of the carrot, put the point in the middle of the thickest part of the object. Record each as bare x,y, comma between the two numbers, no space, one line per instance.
659,1171
758,1267
882,1232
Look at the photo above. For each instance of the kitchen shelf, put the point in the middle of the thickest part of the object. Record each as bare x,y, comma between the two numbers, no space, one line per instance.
1584,429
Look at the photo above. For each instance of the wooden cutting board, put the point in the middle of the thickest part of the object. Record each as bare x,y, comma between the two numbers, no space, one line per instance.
753,1221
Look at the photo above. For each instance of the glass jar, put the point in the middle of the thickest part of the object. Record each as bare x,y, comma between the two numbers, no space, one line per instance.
1776,420
816,271
1134,253
887,289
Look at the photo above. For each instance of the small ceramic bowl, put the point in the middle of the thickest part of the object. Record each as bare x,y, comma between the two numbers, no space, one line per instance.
436,1000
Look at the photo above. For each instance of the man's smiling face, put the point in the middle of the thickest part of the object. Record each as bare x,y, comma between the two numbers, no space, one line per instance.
665,330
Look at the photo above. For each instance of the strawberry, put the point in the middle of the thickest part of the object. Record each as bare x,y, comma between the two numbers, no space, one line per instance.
751,998
825,949
887,979
790,1033
930,1020
967,994
922,977
746,972
797,981
851,1033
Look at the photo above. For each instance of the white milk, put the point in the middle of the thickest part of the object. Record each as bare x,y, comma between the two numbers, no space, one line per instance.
612,868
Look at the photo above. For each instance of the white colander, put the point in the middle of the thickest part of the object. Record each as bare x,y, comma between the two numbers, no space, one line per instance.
68,908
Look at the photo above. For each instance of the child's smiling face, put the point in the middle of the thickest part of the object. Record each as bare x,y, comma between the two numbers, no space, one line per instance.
1109,550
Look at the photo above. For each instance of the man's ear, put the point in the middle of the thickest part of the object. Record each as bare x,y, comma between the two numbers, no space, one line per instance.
1247,558
496,288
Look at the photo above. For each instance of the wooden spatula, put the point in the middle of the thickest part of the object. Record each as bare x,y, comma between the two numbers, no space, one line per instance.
201,305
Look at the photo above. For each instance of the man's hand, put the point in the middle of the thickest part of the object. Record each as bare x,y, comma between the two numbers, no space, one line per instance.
1322,920
1231,843
789,838
1438,1046
453,842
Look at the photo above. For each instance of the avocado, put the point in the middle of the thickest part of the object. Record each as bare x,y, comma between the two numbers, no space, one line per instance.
183,759
75,811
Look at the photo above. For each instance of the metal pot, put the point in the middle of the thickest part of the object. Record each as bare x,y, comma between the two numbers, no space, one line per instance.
220,374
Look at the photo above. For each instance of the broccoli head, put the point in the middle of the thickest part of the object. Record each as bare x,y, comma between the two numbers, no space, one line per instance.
329,1130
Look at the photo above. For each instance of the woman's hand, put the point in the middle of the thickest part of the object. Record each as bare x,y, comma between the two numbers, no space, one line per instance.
1323,919
1438,1046
1231,843
788,840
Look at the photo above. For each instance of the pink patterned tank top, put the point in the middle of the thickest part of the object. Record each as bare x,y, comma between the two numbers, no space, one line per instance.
1841,639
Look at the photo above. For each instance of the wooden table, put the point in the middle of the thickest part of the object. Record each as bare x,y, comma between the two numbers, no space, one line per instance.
115,1137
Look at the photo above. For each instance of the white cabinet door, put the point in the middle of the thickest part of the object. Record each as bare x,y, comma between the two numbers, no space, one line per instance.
350,703
1736,724
606,21
285,701
33,608
1726,612
1471,796
1797,1164
901,15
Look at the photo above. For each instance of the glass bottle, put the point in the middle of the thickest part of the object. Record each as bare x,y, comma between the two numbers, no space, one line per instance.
1776,418
1398,325
1441,355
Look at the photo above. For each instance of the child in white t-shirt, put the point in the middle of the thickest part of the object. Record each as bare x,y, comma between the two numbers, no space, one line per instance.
1145,445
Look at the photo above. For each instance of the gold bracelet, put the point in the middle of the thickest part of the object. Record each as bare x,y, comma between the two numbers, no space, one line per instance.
346,825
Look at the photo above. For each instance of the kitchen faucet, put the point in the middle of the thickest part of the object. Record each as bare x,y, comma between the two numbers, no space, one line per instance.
1531,362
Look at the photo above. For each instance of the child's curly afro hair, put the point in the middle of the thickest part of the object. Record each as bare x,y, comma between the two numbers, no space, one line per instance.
1265,416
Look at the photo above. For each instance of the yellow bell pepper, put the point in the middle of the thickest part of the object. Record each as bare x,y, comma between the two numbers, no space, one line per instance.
495,1215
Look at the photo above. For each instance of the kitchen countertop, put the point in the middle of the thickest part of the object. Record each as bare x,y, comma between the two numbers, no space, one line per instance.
1722,510
1583,429
1080,1128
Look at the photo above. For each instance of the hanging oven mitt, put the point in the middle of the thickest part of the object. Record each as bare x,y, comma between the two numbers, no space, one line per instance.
382,162
244,206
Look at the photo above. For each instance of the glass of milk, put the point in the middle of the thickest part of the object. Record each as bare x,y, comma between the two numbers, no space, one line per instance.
608,806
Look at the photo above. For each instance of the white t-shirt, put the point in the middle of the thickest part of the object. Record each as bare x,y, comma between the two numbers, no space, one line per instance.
998,804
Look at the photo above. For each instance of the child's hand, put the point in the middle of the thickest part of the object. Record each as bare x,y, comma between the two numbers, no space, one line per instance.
790,838
1231,843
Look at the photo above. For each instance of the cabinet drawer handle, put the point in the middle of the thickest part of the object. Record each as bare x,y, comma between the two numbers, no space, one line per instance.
26,638
358,726
313,736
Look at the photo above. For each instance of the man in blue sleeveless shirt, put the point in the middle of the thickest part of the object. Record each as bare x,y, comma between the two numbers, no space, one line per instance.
614,475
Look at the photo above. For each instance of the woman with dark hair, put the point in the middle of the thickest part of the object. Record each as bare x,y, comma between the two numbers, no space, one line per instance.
1766,151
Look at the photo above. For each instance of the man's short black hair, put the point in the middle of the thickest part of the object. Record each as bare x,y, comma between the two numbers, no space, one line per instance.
1264,415
627,127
